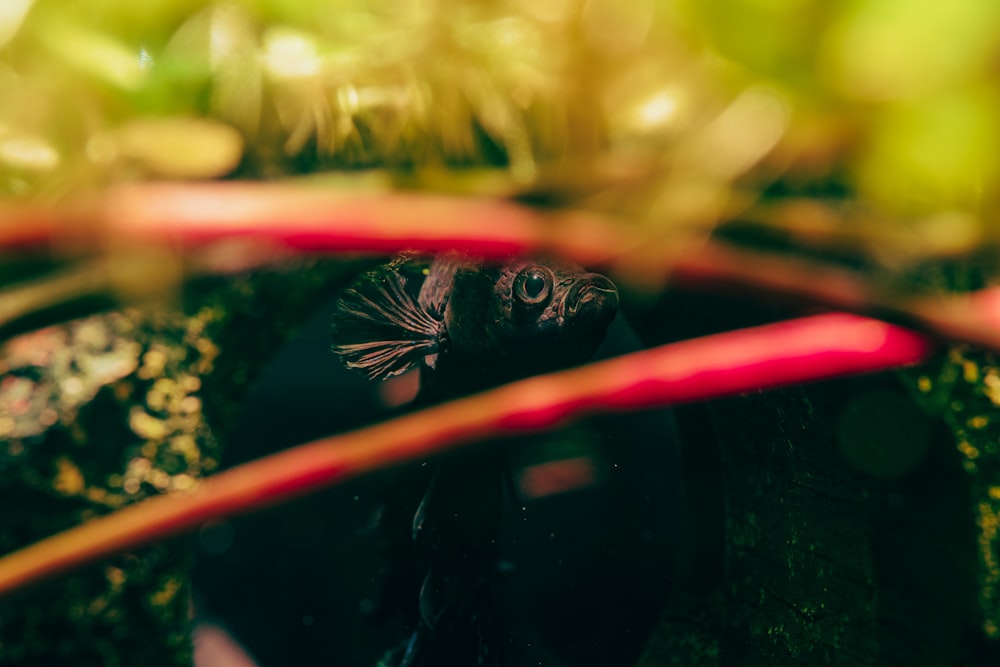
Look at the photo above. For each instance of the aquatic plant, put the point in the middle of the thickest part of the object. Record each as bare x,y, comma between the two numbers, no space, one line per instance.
835,156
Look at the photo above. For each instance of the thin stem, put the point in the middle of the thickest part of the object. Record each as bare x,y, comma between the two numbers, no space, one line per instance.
314,219
971,317
306,217
792,352
74,282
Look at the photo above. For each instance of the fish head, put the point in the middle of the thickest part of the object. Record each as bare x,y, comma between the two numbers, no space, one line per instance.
472,323
518,318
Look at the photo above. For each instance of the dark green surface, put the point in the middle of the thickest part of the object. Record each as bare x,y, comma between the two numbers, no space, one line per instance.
855,531
135,403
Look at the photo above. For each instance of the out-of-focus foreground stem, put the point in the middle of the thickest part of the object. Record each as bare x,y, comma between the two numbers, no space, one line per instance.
780,354
313,218
971,317
309,218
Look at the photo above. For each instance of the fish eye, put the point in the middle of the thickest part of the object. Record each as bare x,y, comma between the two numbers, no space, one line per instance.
533,285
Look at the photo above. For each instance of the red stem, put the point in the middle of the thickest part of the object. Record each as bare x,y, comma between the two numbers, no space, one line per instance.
312,218
315,219
775,355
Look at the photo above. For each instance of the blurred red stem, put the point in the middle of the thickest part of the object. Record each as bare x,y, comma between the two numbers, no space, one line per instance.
314,219
780,354
311,218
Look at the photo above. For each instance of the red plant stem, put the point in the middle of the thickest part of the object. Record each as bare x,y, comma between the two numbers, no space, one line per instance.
312,218
791,352
972,317
315,219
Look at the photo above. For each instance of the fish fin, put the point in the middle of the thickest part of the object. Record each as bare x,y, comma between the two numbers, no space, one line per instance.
380,327
440,279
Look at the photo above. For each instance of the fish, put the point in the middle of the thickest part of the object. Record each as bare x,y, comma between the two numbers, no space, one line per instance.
469,324
465,324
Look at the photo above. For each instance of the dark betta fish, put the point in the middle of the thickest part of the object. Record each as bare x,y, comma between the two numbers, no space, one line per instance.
472,324
467,324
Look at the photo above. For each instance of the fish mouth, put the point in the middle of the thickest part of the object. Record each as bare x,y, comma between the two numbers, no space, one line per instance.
592,295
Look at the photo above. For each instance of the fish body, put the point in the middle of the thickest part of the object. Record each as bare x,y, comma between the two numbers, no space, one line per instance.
467,325
470,324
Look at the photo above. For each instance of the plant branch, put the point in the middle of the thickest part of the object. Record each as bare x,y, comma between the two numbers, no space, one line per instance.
785,353
309,218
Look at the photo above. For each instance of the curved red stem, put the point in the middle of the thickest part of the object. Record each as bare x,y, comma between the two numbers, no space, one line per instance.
791,352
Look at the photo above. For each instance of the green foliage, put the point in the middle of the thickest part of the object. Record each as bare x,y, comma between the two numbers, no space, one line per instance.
670,110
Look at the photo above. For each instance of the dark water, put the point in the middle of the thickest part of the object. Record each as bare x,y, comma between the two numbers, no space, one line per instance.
783,497
585,571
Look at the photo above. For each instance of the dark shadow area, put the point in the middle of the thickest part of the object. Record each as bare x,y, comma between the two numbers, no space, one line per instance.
584,572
